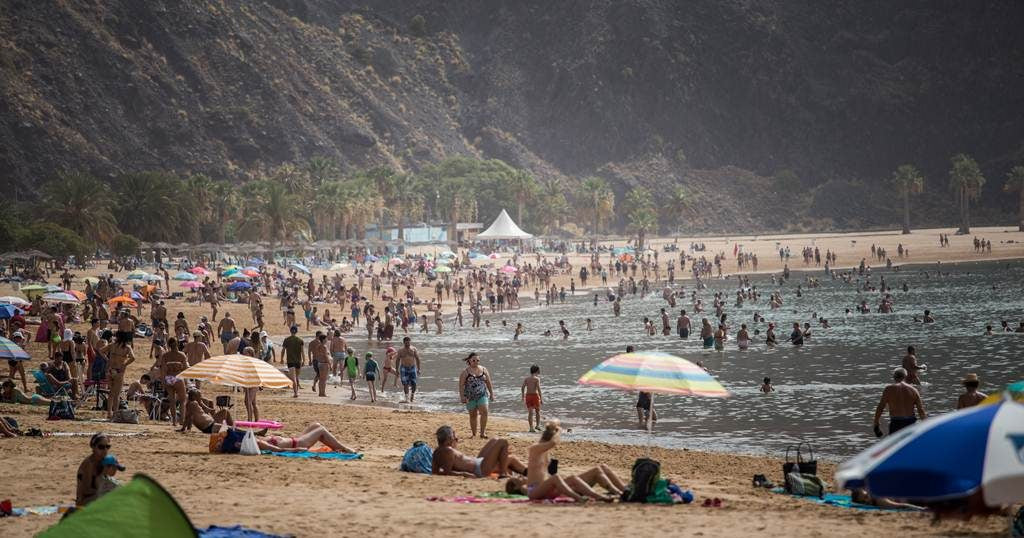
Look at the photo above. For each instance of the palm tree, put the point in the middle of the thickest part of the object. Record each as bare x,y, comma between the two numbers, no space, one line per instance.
406,201
552,205
1015,182
320,170
200,203
152,207
274,213
672,210
81,203
908,181
966,180
642,216
224,198
524,188
596,193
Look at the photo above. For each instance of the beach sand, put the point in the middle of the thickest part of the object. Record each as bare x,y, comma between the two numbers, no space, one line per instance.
326,498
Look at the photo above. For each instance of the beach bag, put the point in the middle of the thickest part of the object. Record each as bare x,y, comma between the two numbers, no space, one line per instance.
249,446
418,459
801,465
231,443
125,416
61,408
643,481
805,484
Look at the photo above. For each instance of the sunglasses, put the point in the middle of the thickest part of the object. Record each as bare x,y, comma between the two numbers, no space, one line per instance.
103,447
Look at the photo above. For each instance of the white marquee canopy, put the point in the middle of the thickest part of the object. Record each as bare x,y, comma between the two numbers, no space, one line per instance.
503,227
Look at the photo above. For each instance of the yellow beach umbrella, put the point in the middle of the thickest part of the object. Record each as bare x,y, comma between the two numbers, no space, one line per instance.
1016,391
237,371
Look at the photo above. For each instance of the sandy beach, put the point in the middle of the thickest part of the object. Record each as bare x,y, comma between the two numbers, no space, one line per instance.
327,498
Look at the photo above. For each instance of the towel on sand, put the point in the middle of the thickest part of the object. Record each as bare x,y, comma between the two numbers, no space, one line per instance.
502,498
42,510
317,454
237,531
843,501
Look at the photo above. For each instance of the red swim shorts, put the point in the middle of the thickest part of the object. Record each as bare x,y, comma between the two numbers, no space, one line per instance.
533,401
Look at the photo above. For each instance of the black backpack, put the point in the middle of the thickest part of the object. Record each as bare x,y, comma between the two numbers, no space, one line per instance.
646,473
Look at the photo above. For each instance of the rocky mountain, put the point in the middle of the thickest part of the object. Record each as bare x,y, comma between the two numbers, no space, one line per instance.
719,96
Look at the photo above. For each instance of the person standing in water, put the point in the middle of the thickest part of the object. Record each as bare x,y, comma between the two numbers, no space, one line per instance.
971,397
912,367
532,397
477,392
902,400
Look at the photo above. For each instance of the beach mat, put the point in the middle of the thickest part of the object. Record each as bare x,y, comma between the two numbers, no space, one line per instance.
316,454
843,501
499,498
48,510
90,434
236,531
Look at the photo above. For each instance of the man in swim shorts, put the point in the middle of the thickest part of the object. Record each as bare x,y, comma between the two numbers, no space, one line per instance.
293,358
901,399
226,329
408,368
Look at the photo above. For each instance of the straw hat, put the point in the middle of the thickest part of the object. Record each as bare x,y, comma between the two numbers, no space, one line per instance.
971,378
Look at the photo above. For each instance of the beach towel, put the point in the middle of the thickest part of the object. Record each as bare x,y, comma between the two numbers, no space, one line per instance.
499,498
316,455
236,531
48,510
843,501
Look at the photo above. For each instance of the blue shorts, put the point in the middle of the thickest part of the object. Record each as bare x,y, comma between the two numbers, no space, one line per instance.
408,375
226,337
709,341
479,402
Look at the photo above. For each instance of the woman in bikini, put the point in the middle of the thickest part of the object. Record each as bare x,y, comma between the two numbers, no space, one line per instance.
200,415
314,433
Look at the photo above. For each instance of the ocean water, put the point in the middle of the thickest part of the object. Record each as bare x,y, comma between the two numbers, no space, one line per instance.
826,391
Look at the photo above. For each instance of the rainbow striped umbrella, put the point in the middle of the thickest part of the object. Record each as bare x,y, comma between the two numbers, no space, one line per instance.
237,371
11,351
654,371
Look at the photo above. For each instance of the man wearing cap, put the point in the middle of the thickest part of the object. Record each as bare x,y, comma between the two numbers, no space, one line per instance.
267,351
902,399
293,358
971,397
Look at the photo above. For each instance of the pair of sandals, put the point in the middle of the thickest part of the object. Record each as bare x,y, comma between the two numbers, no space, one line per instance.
712,503
760,481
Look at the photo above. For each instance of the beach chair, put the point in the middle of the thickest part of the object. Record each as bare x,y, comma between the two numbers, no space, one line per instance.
158,398
43,386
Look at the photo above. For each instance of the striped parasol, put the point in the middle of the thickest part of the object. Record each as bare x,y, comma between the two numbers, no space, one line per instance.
237,371
61,297
11,351
654,371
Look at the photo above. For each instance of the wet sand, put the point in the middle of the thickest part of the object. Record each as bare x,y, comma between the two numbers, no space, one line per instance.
331,498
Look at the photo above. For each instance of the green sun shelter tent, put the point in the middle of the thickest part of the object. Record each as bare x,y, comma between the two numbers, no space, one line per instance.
141,508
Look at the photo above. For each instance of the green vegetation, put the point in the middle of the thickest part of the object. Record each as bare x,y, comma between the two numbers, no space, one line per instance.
966,180
643,218
907,180
418,26
1015,182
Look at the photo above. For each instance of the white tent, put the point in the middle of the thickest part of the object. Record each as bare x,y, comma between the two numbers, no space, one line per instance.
503,227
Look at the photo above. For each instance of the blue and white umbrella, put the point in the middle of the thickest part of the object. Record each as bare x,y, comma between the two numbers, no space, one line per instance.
300,268
947,457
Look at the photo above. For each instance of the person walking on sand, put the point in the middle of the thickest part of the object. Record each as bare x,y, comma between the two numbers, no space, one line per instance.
293,358
408,368
971,397
476,391
227,330
902,400
370,373
321,362
532,397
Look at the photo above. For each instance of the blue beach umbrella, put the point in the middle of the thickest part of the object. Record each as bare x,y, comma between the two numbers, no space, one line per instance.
239,286
184,275
11,351
947,457
300,268
7,311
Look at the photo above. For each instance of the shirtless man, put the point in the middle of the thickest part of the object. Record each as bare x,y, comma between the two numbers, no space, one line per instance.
226,330
493,457
338,347
437,317
911,366
205,419
212,297
683,325
408,368
196,350
234,345
120,355
318,356
126,326
158,313
901,399
971,397
172,363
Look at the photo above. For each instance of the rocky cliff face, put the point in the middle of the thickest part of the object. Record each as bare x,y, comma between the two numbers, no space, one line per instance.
714,95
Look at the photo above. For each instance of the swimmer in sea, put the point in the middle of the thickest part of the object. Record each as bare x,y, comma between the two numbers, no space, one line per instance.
743,337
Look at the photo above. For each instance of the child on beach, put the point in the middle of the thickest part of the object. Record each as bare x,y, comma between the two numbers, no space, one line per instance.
532,397
352,370
519,330
105,483
766,386
370,373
